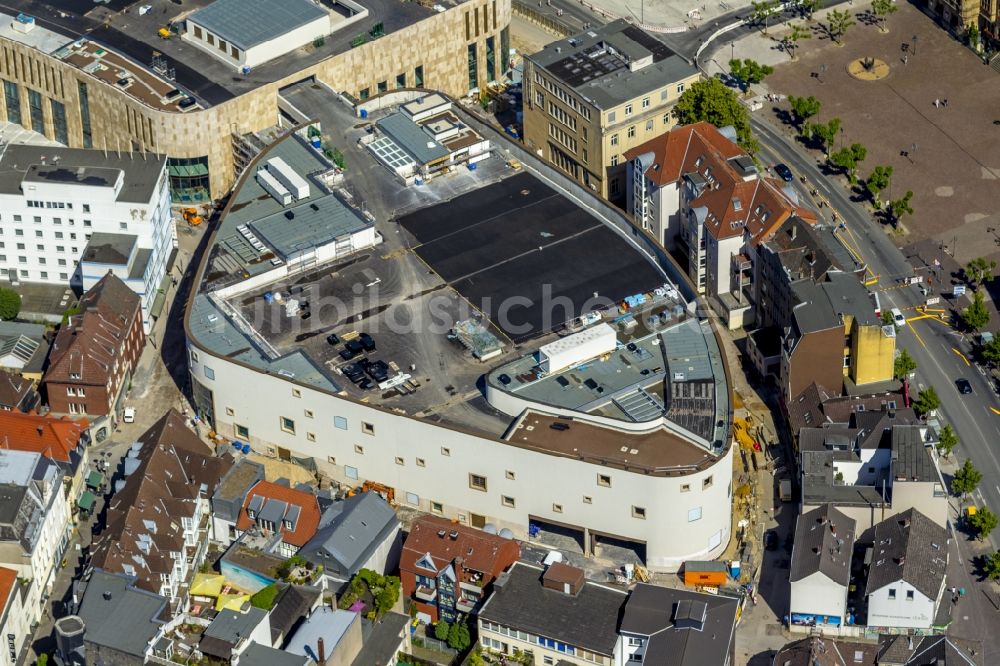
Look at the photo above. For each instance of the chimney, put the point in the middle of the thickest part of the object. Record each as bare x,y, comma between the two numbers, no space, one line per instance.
795,231
441,533
454,535
41,431
107,595
321,650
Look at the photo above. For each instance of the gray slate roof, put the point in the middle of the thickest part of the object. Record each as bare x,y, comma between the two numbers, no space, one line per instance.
650,612
824,543
105,248
930,651
910,547
588,620
231,627
293,603
349,532
247,23
142,171
911,456
382,640
263,655
118,615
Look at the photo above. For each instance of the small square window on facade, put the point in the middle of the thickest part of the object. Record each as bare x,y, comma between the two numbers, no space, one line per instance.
706,483
587,499
685,487
311,436
557,508
639,512
359,449
288,425
510,475
508,501
421,462
332,460
229,411
477,482
241,431
604,480
296,393
400,461
437,507
445,451
351,472
308,413
367,428
340,423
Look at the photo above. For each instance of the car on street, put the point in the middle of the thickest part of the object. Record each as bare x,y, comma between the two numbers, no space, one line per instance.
897,318
963,386
770,540
784,172
129,415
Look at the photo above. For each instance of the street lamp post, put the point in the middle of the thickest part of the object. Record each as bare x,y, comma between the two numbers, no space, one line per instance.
914,45
732,50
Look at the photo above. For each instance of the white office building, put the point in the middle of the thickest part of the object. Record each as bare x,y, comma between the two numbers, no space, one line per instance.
70,216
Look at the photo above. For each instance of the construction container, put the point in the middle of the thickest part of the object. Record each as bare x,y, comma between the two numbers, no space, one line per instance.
706,574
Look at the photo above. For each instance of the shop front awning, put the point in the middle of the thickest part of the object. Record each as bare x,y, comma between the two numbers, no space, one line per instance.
86,501
95,479
161,297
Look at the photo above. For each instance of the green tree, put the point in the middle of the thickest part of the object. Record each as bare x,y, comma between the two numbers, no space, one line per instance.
848,158
825,132
882,9
804,108
904,364
991,566
877,182
973,37
441,630
808,8
927,401
977,272
10,304
991,351
476,659
264,598
795,34
839,20
458,637
947,440
386,594
760,12
977,315
966,479
983,522
42,660
901,207
749,72
711,101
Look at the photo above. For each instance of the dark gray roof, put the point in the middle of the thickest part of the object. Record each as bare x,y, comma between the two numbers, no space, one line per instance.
910,547
263,655
824,651
808,251
588,620
819,486
312,225
828,439
583,63
105,248
349,532
876,426
655,612
813,312
930,651
767,340
247,23
824,543
412,138
231,627
292,604
382,640
911,455
118,615
142,170
821,304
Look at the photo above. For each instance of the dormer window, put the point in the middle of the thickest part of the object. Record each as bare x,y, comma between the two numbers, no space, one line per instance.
698,162
252,514
288,525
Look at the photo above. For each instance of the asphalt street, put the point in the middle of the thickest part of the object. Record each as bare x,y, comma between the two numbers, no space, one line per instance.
934,345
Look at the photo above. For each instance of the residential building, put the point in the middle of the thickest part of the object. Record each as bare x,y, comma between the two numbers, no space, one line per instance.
74,215
989,28
98,95
34,523
17,393
956,16
661,625
361,532
61,440
820,569
883,462
119,622
265,655
702,197
293,604
817,407
15,622
273,509
941,650
447,569
328,636
95,353
232,632
906,577
24,349
592,97
388,637
228,498
156,526
554,614
506,456
824,651
836,340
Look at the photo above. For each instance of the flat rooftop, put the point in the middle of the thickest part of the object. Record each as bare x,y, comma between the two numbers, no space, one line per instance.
612,64
105,248
307,225
117,27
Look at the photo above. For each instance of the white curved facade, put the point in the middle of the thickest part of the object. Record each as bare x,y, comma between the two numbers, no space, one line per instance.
686,516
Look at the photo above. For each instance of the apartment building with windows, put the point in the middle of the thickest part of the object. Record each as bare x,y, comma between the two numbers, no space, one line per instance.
95,352
192,98
71,216
592,97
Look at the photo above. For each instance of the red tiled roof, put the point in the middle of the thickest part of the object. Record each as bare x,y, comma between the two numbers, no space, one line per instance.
53,438
480,551
675,152
88,344
8,578
307,521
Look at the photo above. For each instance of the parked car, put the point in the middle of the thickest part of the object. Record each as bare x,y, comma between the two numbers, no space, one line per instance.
367,341
333,339
354,347
347,354
129,415
897,318
770,540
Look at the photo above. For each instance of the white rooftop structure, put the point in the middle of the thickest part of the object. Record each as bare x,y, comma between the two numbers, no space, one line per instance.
576,348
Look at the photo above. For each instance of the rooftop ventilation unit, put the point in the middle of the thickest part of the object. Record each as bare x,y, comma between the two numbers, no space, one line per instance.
285,175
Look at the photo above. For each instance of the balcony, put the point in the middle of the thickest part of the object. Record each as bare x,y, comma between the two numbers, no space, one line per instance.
464,605
425,593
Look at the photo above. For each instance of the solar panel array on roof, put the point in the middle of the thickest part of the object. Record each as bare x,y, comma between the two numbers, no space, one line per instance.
592,63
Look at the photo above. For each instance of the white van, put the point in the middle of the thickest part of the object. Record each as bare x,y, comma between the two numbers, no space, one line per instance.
897,318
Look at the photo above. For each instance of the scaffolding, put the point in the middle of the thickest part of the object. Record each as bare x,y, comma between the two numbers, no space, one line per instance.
477,339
